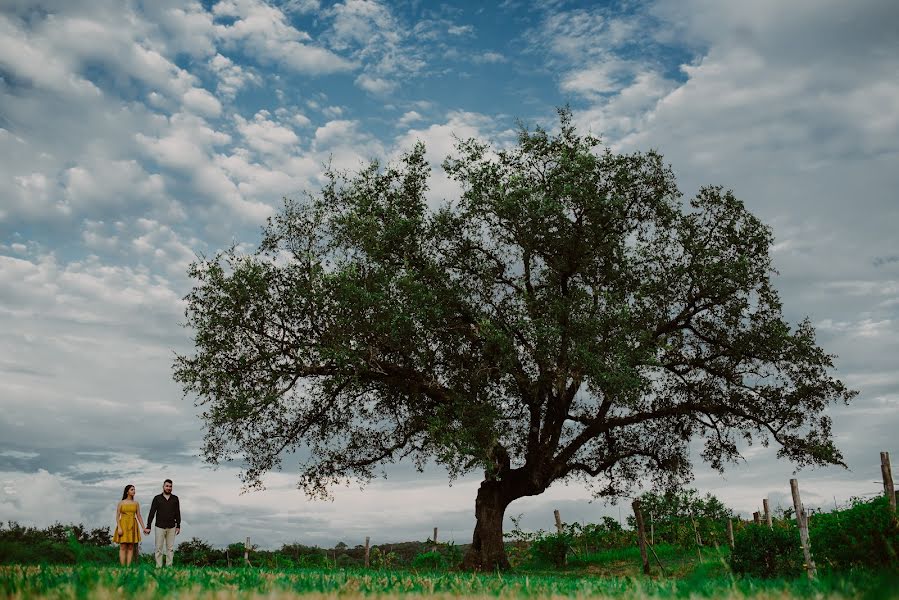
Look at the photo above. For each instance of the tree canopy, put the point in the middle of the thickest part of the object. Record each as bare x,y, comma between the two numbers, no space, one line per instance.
566,317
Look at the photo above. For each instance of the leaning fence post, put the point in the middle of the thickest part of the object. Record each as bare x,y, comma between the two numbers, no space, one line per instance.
767,513
246,552
641,536
558,520
888,489
366,552
730,533
802,522
698,538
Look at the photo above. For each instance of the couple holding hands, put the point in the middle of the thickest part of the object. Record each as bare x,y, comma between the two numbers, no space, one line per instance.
165,508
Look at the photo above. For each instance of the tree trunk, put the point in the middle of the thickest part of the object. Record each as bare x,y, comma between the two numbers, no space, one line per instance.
487,552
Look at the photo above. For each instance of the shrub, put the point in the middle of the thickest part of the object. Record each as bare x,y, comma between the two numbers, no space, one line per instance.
552,548
383,560
767,552
865,535
198,553
429,560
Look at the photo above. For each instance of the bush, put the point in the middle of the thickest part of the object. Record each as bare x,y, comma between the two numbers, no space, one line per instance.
675,513
381,559
865,535
56,544
198,553
305,556
429,560
552,548
764,552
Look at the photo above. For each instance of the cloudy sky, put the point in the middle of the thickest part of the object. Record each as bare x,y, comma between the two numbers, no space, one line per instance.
135,135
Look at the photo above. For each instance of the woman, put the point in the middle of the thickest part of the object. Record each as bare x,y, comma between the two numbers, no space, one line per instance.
127,533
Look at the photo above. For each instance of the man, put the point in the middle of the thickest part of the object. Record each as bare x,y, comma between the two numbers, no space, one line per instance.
167,510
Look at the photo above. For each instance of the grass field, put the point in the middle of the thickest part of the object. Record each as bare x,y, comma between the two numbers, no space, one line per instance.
193,583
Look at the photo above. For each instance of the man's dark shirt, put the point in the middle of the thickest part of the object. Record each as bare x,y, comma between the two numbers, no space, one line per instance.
168,512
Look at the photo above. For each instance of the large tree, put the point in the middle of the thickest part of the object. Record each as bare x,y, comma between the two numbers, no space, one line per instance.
565,318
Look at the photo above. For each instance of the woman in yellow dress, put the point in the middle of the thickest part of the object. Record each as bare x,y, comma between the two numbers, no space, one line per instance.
127,533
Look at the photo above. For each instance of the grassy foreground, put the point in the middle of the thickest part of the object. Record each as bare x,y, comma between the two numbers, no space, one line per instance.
194,583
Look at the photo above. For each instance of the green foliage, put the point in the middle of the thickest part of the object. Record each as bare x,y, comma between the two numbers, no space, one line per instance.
609,533
56,544
555,548
57,533
429,560
764,552
303,556
231,584
552,548
674,514
198,553
864,535
382,559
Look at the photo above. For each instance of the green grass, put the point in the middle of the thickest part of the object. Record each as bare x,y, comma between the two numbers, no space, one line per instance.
146,582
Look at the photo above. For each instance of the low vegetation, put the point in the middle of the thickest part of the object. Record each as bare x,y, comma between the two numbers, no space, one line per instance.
221,584
855,550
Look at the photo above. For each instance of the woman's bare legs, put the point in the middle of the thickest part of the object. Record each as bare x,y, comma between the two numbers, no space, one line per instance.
122,553
129,554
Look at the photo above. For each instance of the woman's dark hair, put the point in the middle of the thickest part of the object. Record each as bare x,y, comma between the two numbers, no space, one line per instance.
125,493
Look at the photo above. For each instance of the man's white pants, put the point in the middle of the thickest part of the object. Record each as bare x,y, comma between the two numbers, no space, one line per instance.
165,537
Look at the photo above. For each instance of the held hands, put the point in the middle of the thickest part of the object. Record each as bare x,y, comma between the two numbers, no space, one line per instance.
146,530
177,530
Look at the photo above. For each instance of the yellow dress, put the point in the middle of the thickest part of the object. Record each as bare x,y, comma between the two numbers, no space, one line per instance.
130,532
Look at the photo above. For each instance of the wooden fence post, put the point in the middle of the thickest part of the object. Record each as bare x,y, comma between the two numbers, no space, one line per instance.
756,518
886,471
246,552
803,529
730,533
698,538
767,513
366,552
435,539
641,536
558,520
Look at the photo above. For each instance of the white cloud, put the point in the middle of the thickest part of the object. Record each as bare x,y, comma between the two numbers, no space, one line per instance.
185,144
593,80
377,40
265,135
87,291
26,55
375,85
265,31
335,132
161,245
232,77
489,58
201,102
409,117
188,26
24,497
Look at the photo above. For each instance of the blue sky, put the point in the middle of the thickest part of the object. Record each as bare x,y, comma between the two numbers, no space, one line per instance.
135,135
